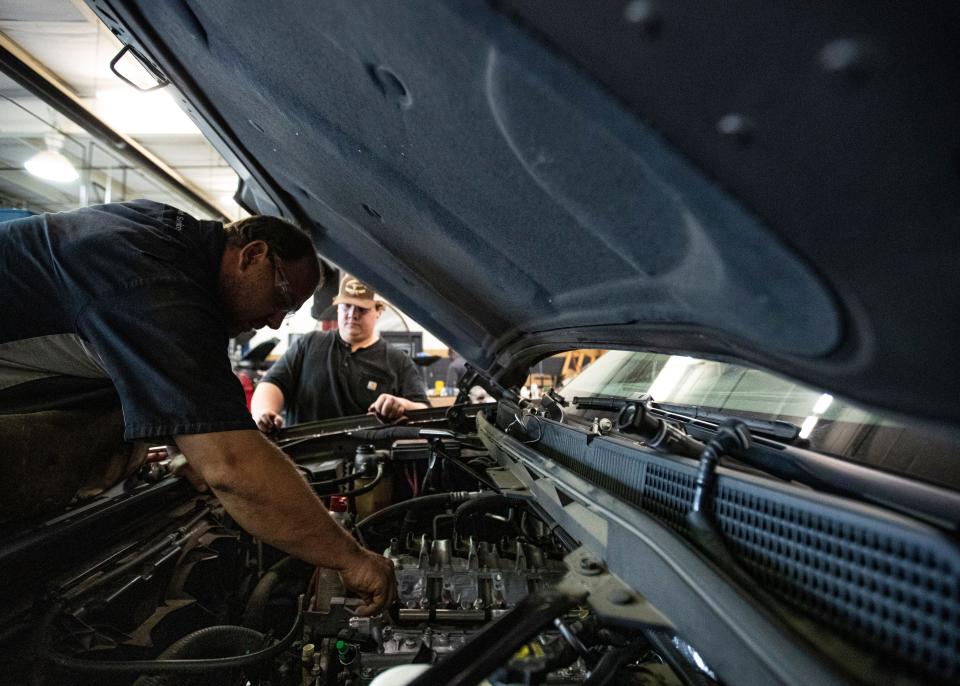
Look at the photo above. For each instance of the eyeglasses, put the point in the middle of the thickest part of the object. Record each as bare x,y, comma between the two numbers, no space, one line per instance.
284,299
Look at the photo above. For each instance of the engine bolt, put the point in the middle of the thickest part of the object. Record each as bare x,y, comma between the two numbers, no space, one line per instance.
620,596
590,567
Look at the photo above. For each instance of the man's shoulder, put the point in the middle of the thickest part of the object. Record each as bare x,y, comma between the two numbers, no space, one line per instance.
315,340
136,211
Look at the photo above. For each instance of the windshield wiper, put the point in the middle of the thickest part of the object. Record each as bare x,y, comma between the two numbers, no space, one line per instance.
772,428
776,429
657,422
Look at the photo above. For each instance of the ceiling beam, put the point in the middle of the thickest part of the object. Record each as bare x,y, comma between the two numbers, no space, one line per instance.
36,78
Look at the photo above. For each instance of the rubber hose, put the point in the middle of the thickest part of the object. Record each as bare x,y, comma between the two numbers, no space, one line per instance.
391,433
366,488
423,502
338,481
257,603
211,642
487,501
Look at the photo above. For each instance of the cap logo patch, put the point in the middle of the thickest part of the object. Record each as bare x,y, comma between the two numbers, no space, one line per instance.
354,287
371,385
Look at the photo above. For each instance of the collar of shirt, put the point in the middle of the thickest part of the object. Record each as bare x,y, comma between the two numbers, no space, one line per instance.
345,347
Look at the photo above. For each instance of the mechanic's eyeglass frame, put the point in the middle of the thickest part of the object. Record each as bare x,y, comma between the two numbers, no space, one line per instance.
283,298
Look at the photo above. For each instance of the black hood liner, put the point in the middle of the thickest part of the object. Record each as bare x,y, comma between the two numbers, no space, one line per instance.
775,183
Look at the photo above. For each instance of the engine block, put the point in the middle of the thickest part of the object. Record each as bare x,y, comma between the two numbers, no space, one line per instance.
459,582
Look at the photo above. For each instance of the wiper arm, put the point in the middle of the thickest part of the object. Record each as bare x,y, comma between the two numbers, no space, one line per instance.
605,403
679,412
654,421
772,428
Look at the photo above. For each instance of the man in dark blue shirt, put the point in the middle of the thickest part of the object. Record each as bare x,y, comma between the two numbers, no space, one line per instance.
132,304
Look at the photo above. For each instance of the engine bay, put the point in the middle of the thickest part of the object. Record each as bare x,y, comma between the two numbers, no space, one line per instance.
525,550
181,595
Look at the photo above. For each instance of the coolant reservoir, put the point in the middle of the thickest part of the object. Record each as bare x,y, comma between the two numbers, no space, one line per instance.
380,497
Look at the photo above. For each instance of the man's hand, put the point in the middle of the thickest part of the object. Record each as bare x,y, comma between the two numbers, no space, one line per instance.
388,407
269,421
371,577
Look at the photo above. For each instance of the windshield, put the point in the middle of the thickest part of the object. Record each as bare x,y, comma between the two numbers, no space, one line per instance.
827,424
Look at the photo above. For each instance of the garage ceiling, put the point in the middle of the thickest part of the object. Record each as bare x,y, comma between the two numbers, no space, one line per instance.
68,40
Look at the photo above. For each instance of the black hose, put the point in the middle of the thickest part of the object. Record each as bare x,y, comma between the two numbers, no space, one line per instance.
466,468
423,502
388,432
257,602
338,481
366,488
485,502
211,642
179,666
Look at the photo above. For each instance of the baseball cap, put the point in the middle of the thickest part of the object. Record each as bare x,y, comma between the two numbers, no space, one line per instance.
353,291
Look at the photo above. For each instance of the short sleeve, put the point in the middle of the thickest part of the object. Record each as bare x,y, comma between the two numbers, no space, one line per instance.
285,373
164,346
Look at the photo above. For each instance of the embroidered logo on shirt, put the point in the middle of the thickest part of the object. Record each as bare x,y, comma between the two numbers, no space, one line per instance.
371,385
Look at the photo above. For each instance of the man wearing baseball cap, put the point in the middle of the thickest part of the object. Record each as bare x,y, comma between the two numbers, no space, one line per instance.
329,374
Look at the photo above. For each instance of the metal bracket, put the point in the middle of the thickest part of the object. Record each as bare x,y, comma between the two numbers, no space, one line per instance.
612,600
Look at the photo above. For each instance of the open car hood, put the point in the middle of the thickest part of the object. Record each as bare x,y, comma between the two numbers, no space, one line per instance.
777,184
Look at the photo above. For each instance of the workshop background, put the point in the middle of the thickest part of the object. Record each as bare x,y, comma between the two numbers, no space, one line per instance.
76,131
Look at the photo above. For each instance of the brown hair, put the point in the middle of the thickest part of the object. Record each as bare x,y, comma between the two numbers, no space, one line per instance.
288,241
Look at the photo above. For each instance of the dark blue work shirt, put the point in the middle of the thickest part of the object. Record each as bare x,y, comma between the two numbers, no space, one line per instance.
126,292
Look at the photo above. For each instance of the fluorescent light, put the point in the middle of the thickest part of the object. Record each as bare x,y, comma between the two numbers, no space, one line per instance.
135,113
50,164
823,402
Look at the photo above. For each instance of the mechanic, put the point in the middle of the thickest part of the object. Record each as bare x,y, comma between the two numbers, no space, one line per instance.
455,371
328,374
129,306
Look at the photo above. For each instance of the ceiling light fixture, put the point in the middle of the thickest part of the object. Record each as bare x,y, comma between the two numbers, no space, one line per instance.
50,164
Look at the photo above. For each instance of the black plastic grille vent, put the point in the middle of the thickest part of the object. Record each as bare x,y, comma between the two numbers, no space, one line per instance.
668,494
887,584
899,595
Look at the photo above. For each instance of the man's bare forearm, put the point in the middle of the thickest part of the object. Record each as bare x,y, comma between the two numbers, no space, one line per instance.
267,397
267,496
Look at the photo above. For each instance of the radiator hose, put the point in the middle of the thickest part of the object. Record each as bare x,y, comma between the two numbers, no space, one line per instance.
486,503
211,642
253,614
